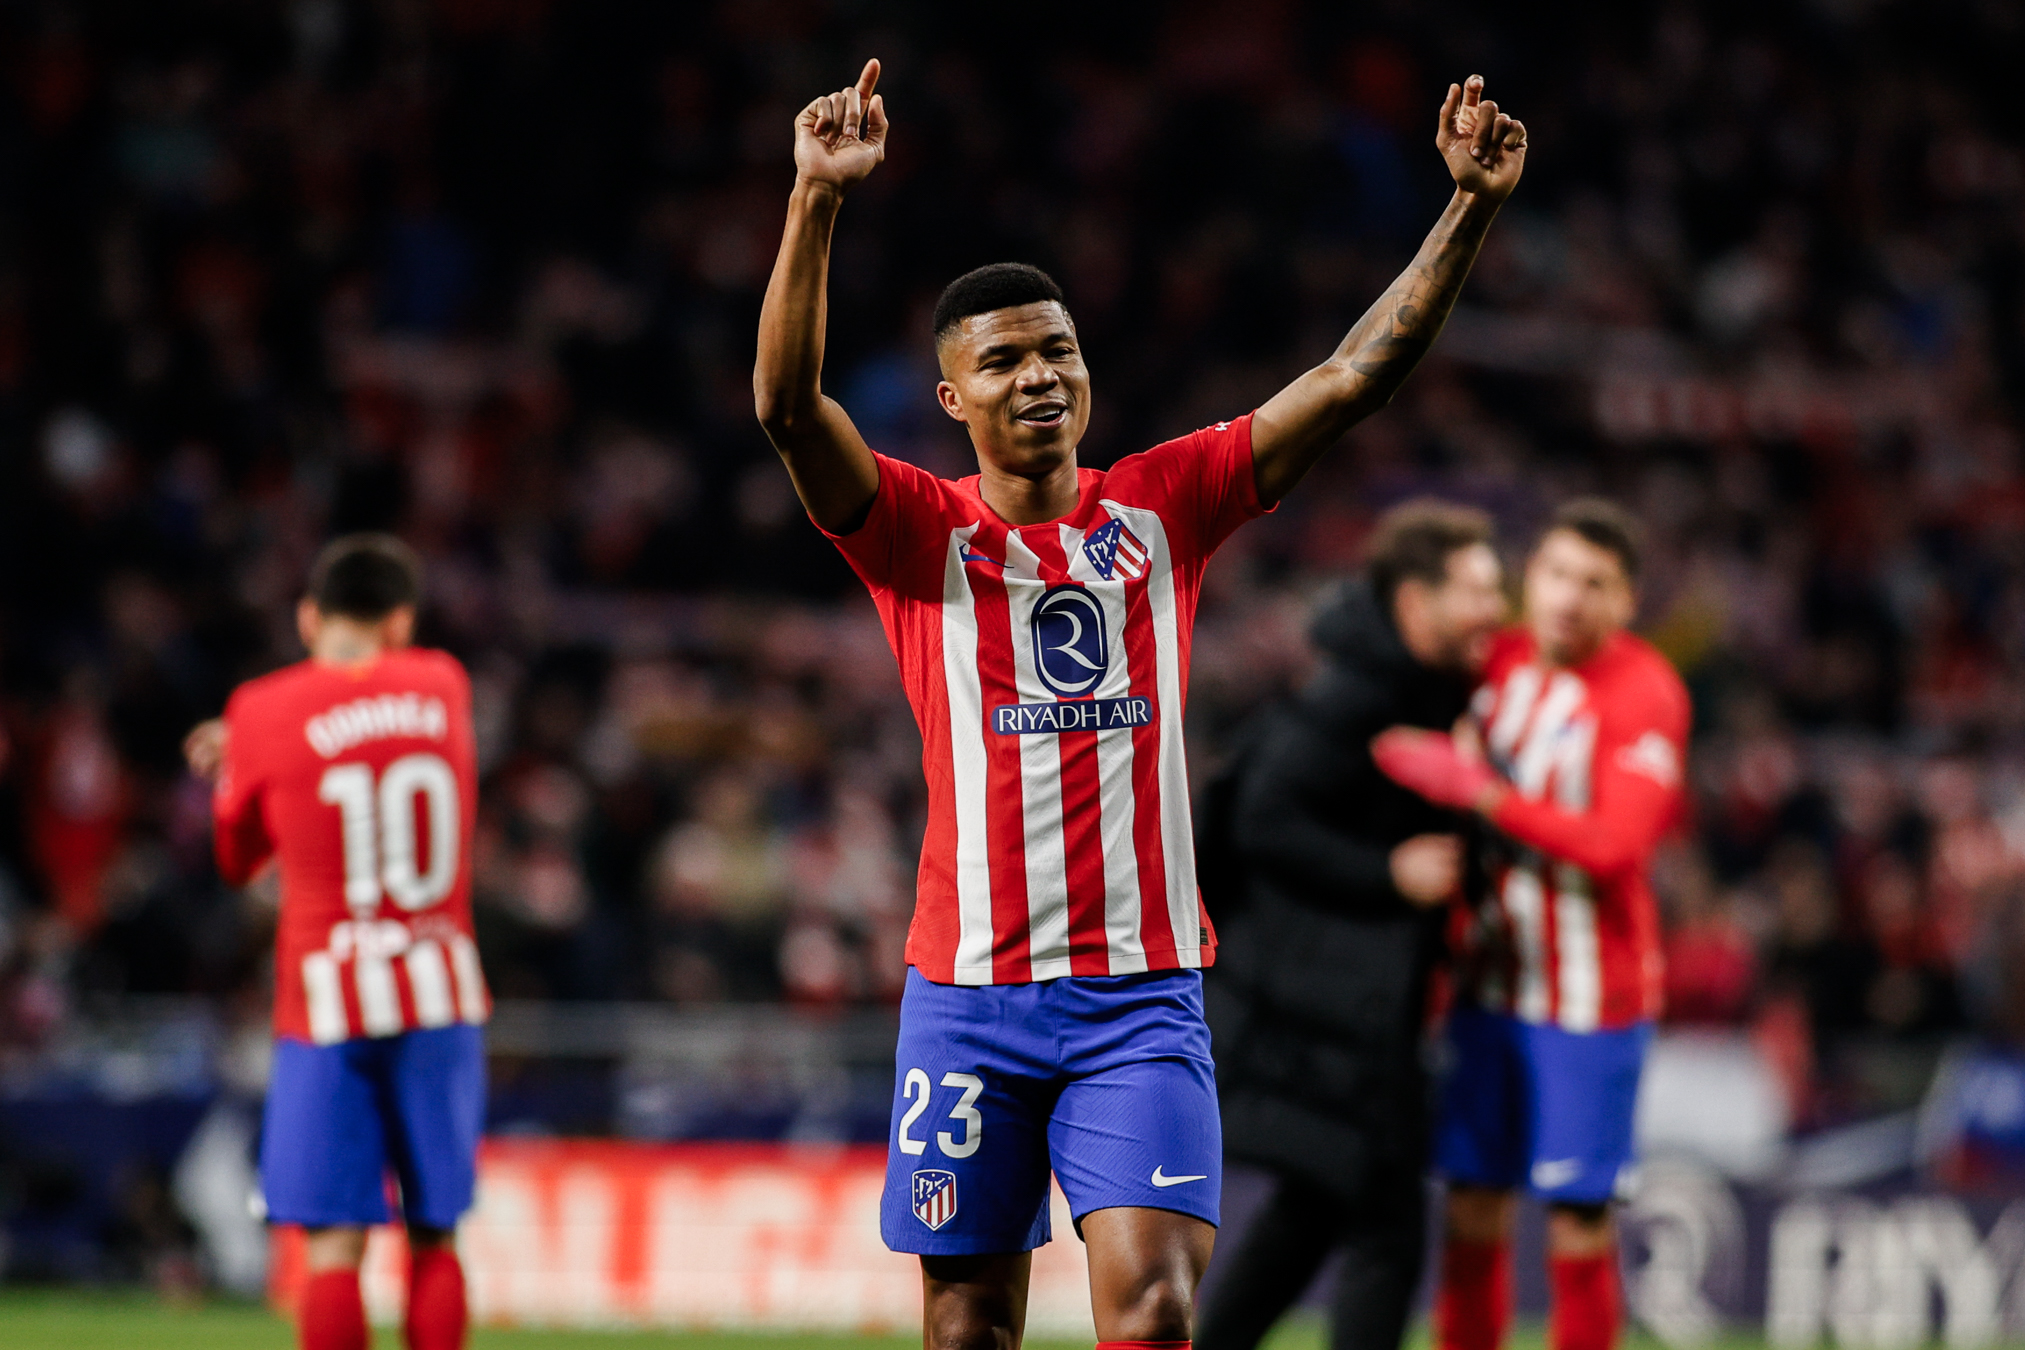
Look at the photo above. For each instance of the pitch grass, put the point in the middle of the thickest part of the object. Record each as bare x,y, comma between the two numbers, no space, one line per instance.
33,1319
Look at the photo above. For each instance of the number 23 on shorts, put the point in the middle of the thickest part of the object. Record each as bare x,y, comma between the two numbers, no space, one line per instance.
915,1089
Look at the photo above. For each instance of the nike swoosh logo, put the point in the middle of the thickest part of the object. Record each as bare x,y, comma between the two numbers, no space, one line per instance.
1160,1178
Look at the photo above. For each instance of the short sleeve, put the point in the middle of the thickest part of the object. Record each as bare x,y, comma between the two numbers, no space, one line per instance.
1202,484
907,506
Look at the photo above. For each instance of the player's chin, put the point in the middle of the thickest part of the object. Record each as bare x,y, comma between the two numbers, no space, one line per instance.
1037,447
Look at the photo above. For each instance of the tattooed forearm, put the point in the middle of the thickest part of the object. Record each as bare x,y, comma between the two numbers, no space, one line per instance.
1292,429
1388,342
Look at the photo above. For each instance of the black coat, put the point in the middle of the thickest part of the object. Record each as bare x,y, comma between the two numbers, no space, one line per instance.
1319,992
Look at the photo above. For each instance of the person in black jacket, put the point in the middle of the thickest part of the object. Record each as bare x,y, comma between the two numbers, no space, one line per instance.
1336,884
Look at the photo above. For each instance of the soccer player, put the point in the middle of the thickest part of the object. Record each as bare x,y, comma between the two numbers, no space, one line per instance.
1573,753
1041,615
356,772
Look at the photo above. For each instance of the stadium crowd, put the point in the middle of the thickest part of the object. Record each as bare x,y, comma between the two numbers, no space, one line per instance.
487,272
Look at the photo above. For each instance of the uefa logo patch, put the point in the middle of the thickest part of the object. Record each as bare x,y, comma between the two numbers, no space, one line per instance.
1071,651
935,1197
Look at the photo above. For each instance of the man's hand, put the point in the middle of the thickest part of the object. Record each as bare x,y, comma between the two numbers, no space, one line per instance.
1485,150
841,137
1427,869
1430,763
204,749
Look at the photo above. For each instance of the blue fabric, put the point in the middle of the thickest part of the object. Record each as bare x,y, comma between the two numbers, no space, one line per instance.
1524,1104
340,1117
1105,1079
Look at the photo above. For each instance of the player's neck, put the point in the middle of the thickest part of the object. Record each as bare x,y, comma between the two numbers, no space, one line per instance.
1572,657
1020,500
342,644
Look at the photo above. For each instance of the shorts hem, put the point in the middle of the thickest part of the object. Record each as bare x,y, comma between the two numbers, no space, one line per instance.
1209,1214
301,1219
933,1244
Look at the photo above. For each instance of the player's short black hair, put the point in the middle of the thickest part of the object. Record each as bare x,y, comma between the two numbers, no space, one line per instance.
993,286
365,577
1606,525
1416,539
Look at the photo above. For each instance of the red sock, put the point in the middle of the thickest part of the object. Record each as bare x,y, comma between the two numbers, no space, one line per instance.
1475,1303
436,1312
1586,1312
1144,1345
331,1315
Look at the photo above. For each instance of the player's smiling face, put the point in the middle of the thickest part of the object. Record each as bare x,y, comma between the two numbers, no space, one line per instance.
1015,378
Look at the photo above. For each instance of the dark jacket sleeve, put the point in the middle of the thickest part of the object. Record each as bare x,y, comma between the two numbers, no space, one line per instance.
1314,817
1283,835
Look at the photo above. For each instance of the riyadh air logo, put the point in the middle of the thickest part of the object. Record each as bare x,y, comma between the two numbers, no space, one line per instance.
1071,650
935,1197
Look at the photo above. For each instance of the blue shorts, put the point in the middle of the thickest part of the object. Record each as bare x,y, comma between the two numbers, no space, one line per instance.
1533,1105
340,1117
1106,1079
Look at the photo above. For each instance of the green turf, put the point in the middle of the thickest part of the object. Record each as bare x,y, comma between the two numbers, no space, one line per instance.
74,1320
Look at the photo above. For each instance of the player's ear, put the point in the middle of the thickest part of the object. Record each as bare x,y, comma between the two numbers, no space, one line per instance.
951,401
399,627
308,622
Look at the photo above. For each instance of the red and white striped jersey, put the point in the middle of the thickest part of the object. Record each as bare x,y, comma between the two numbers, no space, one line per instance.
1569,934
362,782
1047,666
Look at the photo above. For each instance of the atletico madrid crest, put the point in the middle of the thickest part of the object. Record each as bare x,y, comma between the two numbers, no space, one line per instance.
1111,548
935,1197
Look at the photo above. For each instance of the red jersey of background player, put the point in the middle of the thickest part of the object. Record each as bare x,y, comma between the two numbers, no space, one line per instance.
363,782
1047,666
1569,934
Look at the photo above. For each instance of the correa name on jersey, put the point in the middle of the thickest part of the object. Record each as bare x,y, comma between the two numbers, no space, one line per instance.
338,729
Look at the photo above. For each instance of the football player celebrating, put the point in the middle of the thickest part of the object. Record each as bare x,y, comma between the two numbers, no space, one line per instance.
1041,614
356,771
1573,752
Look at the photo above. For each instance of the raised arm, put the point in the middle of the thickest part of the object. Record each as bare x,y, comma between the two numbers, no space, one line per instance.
839,139
1486,153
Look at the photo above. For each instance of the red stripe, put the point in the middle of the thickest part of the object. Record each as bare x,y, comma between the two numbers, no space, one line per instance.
1004,800
1082,811
1156,931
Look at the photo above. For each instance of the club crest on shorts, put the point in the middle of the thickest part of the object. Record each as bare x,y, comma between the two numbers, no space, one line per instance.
935,1197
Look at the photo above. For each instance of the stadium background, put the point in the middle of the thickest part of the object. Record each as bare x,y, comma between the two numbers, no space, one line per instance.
487,272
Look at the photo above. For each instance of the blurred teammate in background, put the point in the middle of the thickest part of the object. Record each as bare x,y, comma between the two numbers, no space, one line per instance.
1574,752
1339,883
356,771
1041,615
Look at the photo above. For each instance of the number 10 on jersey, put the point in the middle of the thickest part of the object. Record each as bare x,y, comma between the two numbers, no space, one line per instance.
380,837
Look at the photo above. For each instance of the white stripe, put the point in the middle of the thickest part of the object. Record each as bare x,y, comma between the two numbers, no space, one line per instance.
1579,967
967,766
429,983
1116,807
1515,704
1040,776
1576,753
470,980
379,1001
1177,839
327,1021
1525,907
1539,754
